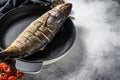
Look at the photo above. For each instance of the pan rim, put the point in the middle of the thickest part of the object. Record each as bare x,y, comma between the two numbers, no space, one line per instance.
74,31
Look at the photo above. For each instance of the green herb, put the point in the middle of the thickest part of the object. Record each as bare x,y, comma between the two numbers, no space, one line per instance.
71,17
39,25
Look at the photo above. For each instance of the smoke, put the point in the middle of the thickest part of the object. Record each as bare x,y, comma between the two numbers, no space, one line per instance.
96,52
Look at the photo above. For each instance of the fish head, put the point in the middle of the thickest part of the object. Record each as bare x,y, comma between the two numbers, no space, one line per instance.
65,9
59,14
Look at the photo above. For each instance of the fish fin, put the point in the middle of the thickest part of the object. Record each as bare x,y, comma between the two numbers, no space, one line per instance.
42,48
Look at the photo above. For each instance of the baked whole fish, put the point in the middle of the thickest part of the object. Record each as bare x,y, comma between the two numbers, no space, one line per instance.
39,33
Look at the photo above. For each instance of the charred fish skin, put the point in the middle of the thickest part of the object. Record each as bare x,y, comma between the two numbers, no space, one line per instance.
39,33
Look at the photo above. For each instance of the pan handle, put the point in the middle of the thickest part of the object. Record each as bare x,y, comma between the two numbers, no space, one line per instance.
29,67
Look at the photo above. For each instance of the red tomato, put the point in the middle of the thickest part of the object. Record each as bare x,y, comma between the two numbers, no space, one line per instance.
0,66
5,76
9,71
3,64
12,78
1,78
2,70
3,67
19,74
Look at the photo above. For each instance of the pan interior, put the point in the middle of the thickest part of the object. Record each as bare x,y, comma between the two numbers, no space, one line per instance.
16,20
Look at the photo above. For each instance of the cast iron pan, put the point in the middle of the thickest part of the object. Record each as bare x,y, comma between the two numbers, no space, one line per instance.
16,20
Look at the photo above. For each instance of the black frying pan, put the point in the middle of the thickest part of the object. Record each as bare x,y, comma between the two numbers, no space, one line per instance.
16,20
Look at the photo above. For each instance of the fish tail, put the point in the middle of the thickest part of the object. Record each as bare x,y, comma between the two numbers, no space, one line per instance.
6,54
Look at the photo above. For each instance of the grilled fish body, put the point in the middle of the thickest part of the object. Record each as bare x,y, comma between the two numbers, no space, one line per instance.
39,33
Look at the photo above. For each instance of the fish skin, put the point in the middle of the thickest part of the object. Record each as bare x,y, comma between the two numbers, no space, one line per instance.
39,33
